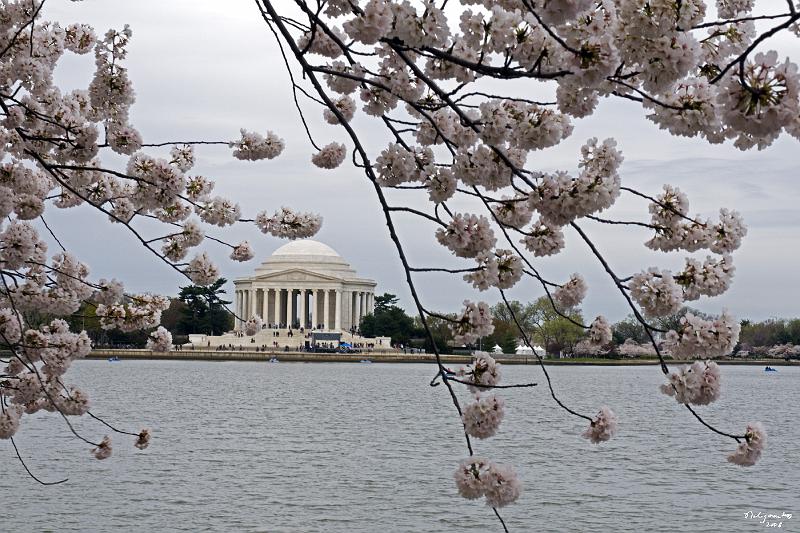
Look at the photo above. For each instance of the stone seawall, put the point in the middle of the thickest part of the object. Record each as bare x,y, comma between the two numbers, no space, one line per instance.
387,357
305,357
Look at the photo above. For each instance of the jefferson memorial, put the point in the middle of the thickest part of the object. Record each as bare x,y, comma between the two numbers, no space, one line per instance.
305,284
304,293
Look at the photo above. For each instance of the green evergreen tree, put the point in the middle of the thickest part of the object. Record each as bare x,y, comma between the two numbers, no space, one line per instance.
204,310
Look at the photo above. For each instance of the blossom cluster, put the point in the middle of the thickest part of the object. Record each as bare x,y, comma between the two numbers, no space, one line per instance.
254,146
602,427
600,331
286,223
698,337
749,452
474,322
467,235
330,156
478,477
482,373
571,293
657,292
561,198
676,230
142,311
710,278
501,269
697,384
253,325
33,376
160,340
482,417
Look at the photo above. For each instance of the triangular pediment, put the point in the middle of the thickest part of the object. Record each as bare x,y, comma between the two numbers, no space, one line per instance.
295,274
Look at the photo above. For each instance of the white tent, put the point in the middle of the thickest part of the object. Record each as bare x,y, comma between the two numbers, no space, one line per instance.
523,349
497,349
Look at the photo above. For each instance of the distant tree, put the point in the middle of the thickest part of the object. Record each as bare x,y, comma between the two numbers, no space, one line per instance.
554,332
793,330
172,315
385,301
388,320
440,331
540,323
673,321
204,310
770,332
506,334
86,319
630,328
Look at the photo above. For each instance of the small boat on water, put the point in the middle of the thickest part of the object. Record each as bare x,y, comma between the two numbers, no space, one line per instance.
273,360
365,361
114,359
770,369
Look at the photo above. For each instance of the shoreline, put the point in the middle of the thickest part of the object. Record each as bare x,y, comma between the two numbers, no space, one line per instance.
392,357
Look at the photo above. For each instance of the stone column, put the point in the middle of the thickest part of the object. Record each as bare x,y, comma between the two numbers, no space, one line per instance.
264,304
253,298
242,308
338,307
315,309
289,307
301,308
270,319
357,318
236,309
347,309
278,294
326,310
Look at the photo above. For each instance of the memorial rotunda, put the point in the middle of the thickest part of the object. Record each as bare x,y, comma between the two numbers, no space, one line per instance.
305,283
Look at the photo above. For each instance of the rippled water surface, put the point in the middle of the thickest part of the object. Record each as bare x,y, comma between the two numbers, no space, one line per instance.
371,448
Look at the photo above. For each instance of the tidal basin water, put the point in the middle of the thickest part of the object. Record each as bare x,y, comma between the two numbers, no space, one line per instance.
371,448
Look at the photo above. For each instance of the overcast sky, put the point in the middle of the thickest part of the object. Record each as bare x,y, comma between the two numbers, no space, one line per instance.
202,70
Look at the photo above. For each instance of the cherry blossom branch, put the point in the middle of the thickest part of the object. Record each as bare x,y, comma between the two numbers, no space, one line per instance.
109,426
738,20
41,217
757,41
172,143
487,387
528,343
28,470
22,28
648,328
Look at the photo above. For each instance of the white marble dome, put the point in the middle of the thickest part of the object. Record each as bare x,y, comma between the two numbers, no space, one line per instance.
306,247
309,255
